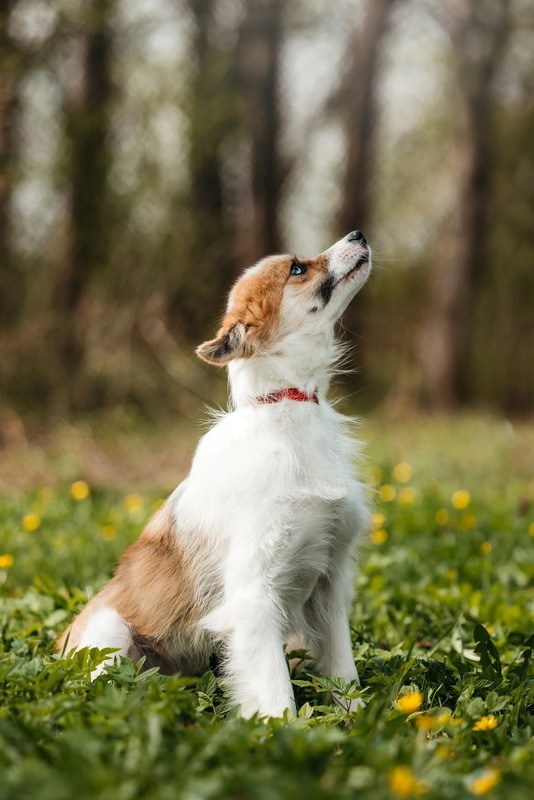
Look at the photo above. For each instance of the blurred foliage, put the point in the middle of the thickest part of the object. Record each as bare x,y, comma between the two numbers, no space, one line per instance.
150,150
442,626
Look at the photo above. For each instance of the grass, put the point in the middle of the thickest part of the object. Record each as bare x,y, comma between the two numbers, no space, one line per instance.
442,623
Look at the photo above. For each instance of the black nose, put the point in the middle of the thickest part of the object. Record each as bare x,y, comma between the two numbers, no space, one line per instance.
357,236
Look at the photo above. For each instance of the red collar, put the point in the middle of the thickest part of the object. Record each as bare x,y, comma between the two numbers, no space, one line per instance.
290,394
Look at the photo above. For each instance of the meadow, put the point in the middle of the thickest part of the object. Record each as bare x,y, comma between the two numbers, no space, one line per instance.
442,632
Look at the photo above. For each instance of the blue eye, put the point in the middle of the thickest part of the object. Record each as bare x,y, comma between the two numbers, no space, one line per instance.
297,269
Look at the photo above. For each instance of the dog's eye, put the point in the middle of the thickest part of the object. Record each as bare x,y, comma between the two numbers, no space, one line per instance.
297,269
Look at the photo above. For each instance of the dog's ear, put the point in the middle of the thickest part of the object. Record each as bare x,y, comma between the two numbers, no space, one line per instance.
230,342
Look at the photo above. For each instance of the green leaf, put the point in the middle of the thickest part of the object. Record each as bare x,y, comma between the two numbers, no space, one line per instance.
490,663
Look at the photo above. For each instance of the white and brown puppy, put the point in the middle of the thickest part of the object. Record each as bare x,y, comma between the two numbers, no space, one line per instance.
255,546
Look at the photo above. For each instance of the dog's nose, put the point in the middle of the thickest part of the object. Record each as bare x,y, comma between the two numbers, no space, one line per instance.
357,236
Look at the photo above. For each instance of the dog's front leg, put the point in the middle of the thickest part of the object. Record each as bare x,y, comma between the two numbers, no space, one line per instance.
256,667
249,624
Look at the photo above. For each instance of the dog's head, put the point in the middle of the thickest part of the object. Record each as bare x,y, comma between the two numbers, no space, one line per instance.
283,295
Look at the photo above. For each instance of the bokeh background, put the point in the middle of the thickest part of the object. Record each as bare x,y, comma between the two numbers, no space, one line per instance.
151,149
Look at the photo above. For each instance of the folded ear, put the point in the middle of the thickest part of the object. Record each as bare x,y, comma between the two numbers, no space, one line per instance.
229,343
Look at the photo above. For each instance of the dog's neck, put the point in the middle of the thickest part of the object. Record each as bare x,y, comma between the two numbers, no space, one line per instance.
300,362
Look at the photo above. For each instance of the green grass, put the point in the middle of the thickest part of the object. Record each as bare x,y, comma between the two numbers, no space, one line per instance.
443,612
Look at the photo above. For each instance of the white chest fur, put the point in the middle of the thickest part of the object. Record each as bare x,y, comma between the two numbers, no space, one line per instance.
272,489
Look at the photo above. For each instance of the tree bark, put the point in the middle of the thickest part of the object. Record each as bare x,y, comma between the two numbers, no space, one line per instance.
260,40
208,240
359,99
445,336
9,79
87,130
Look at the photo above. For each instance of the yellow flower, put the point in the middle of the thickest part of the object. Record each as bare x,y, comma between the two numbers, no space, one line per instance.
486,723
461,499
531,529
442,516
407,496
486,548
410,702
425,722
108,532
379,537
444,752
446,719
402,472
485,782
451,574
79,490
30,522
378,520
468,522
6,561
373,475
387,493
133,503
403,783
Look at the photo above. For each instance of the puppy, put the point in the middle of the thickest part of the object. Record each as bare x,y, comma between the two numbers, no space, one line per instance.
255,546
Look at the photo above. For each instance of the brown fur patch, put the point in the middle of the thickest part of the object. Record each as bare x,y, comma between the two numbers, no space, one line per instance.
153,588
255,299
254,307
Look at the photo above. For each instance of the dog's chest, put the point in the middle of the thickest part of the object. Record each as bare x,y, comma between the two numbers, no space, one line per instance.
274,488
301,550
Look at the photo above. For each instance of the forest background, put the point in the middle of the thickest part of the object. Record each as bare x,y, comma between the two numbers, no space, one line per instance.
151,149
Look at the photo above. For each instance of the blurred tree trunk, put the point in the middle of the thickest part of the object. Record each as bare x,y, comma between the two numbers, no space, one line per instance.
479,34
359,99
207,250
260,39
87,129
9,79
206,195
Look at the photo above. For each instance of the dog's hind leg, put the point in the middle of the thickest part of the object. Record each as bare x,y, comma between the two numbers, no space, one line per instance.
327,612
106,628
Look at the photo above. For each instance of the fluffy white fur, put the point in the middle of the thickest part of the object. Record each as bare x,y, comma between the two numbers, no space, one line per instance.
271,511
